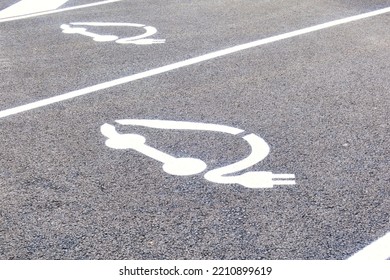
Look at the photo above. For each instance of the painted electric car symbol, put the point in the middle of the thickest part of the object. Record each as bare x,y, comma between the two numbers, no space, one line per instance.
79,28
191,166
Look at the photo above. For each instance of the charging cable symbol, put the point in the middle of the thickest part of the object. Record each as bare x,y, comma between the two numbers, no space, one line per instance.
76,28
192,166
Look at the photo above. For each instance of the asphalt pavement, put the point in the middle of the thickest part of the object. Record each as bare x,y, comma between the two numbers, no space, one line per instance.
315,107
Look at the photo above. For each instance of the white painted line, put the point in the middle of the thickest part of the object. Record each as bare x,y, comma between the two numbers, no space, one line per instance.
116,24
376,251
188,62
58,10
25,7
163,124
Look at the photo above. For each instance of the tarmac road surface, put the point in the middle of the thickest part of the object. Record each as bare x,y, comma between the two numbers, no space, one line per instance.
119,146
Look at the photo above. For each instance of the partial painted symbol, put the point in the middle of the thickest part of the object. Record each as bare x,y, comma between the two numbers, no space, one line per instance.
78,28
192,166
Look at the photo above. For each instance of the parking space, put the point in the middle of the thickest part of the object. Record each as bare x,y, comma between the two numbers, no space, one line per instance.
51,62
99,176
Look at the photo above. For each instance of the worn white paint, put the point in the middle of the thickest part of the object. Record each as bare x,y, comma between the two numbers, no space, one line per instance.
376,251
25,7
192,166
57,10
181,64
137,40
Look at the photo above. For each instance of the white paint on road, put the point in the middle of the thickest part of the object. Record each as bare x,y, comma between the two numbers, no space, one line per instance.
25,7
172,165
253,179
376,251
192,166
185,63
136,40
163,124
57,10
83,31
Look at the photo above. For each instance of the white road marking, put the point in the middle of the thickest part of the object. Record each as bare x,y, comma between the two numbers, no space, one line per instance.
188,62
376,251
192,166
25,7
136,40
253,179
172,165
58,10
83,31
182,125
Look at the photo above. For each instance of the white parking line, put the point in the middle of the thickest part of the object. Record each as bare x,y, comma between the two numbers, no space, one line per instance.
184,63
25,7
376,251
58,10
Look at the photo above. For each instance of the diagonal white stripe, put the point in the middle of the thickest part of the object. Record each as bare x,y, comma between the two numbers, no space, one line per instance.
57,11
377,251
25,7
184,63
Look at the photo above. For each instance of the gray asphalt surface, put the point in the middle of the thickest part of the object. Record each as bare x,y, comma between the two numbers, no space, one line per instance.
320,100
